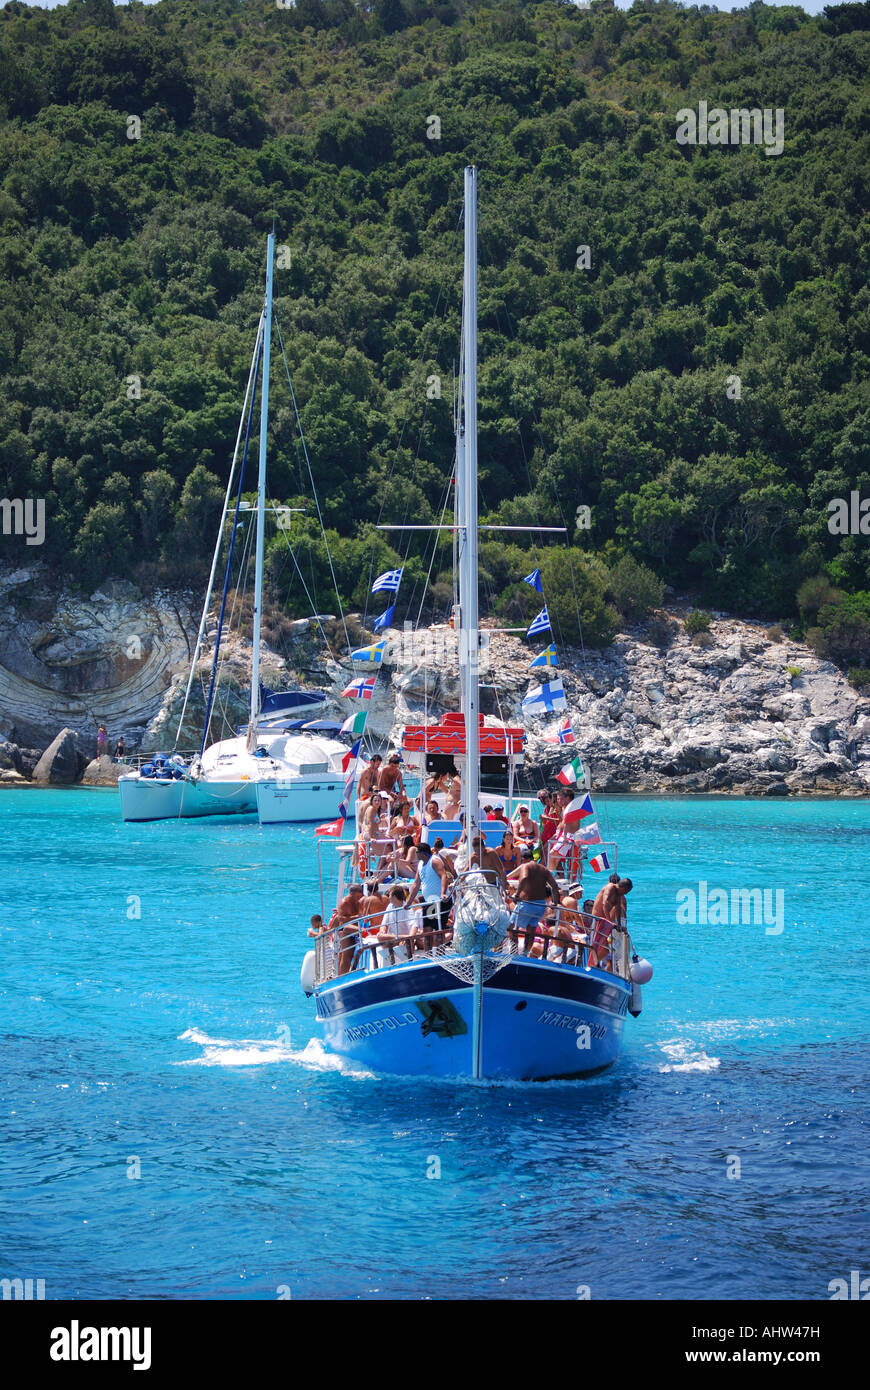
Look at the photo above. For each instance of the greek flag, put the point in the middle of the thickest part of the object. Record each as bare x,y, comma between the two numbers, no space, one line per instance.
388,582
535,580
540,624
547,698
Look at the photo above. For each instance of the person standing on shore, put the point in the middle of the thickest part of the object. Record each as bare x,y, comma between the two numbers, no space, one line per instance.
120,749
102,741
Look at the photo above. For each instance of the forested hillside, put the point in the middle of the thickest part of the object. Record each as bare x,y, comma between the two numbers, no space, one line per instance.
698,380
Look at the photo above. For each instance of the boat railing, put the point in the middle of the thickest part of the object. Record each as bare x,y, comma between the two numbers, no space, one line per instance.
356,944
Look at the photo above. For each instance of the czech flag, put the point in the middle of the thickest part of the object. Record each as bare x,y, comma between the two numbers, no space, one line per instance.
351,755
577,811
535,580
599,862
333,827
560,733
388,582
540,624
571,772
548,657
361,689
373,654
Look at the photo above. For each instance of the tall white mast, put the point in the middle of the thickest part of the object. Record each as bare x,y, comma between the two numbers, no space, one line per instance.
261,500
467,464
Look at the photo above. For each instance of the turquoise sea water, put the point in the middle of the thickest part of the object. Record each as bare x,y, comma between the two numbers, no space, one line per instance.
178,1044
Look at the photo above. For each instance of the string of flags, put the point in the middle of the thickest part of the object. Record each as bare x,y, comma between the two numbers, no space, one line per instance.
546,695
362,688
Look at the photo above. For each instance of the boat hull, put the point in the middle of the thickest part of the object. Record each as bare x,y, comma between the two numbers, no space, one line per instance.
144,799
539,1020
299,799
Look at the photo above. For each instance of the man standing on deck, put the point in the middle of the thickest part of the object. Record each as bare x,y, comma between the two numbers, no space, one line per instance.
348,910
368,781
534,883
488,861
390,781
433,883
609,906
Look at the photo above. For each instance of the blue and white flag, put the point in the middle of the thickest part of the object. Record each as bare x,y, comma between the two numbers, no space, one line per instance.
548,657
548,698
540,624
373,654
384,620
388,582
535,580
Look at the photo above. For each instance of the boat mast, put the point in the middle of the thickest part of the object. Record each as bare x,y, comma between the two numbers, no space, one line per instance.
467,492
261,499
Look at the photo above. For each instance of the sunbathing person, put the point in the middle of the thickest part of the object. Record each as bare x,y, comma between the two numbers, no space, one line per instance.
525,829
404,822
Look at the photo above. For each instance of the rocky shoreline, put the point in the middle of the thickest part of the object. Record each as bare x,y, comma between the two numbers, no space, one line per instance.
735,711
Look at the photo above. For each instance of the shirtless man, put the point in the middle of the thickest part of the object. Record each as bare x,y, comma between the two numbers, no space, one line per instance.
348,909
372,909
390,782
368,781
610,906
488,861
454,800
534,884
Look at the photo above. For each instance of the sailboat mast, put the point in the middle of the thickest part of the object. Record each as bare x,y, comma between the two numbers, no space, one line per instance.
467,461
261,498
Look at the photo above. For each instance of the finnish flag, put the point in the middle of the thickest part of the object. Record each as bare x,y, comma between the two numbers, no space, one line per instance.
548,698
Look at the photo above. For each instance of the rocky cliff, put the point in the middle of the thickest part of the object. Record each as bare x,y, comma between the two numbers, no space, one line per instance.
729,711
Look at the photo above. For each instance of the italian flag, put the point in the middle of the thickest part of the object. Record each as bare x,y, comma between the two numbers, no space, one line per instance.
571,772
355,724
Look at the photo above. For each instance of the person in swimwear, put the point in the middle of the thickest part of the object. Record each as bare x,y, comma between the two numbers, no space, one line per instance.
534,885
608,907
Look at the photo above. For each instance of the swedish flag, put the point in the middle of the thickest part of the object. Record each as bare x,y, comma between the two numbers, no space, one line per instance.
548,657
374,654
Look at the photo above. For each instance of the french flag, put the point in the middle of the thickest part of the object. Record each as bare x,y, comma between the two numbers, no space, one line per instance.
599,862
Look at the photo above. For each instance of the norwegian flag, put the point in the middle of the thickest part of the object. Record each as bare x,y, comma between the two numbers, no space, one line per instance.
560,733
361,689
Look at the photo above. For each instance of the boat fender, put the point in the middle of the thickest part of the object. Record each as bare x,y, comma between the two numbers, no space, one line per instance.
147,770
306,974
635,1004
641,971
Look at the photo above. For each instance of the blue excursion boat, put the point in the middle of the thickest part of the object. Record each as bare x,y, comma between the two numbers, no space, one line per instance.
475,998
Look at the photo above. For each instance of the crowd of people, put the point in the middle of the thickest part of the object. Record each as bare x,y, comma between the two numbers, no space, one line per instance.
406,888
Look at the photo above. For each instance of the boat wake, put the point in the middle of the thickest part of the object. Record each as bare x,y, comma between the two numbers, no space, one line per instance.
685,1056
258,1052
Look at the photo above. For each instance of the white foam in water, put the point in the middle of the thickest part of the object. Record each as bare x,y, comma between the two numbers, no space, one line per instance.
686,1057
255,1052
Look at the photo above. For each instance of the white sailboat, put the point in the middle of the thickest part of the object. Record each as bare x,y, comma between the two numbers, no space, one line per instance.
470,991
223,779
